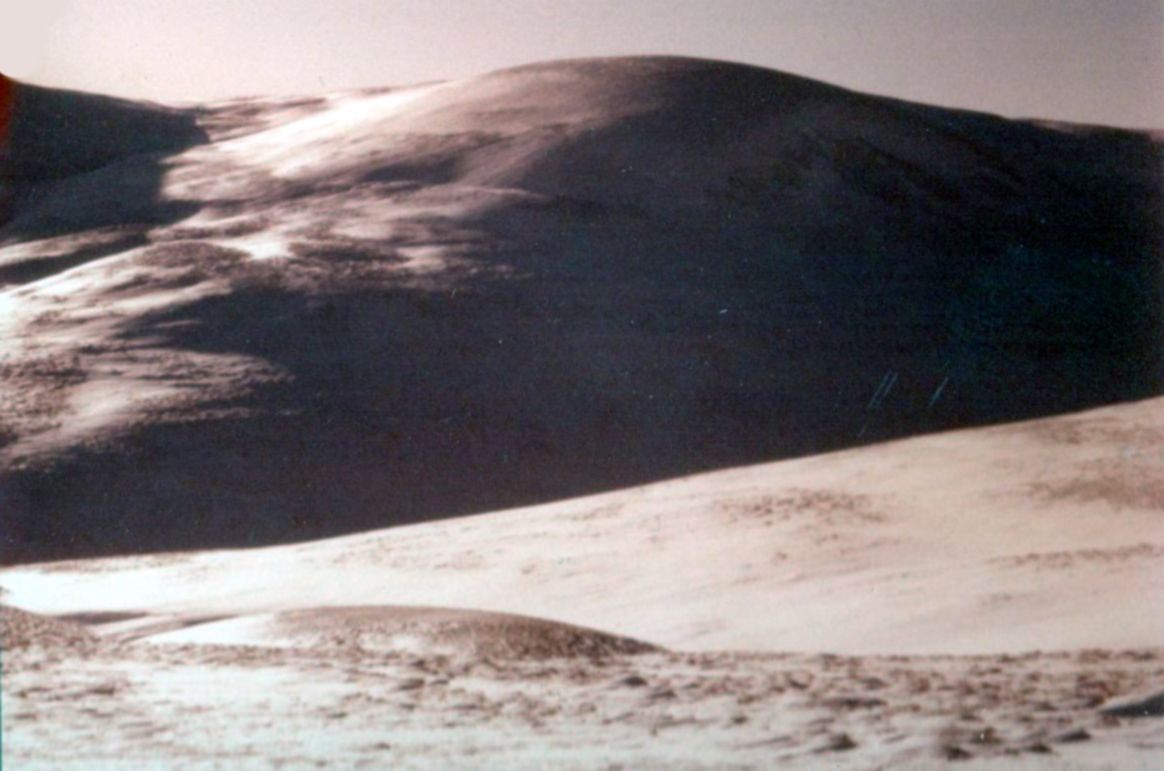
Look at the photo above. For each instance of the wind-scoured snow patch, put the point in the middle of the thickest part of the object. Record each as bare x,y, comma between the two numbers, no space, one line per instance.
309,144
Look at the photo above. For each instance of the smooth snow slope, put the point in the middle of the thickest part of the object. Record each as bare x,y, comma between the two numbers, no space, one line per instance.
343,312
1040,535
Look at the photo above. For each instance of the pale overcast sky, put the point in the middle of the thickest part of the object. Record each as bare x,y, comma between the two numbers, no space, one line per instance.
1096,61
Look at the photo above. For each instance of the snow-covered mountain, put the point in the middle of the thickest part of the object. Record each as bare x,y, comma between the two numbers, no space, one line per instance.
276,319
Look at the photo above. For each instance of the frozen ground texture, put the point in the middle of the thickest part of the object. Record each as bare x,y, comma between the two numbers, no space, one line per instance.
211,706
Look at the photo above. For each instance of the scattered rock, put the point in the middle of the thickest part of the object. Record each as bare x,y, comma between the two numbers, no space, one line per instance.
954,752
633,681
853,702
105,689
1146,706
840,743
1075,735
986,736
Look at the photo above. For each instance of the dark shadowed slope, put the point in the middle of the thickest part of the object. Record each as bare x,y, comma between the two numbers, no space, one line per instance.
81,164
57,134
386,306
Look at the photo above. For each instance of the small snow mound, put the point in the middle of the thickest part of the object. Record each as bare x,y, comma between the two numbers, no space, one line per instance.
414,630
21,629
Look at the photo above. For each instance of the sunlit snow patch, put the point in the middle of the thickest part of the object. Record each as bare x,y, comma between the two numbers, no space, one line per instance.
311,142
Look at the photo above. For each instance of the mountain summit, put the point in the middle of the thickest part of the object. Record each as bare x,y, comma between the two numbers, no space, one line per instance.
273,319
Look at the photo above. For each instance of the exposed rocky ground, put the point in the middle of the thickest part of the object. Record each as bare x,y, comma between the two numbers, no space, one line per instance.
206,706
